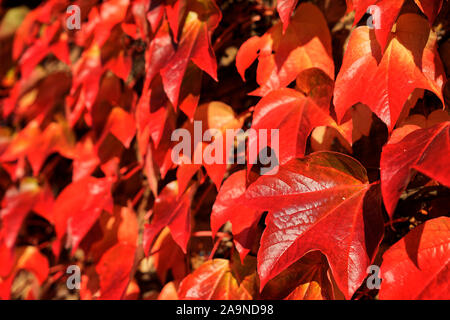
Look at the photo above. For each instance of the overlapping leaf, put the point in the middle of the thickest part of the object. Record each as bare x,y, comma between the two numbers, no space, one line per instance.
417,266
384,81
323,202
281,57
424,150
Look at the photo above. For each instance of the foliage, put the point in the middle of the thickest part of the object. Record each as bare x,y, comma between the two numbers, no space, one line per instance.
87,176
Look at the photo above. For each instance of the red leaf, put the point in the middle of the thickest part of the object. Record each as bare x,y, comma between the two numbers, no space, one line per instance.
168,256
387,11
425,150
78,206
307,279
195,44
417,266
323,202
25,258
430,8
16,204
384,82
285,9
86,78
172,211
306,44
227,208
114,270
213,280
111,13
294,115
121,124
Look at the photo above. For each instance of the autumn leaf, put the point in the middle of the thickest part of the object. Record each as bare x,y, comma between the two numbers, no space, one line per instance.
172,211
202,18
323,202
227,208
212,281
307,279
385,13
281,57
285,9
384,81
79,205
417,266
294,115
24,258
16,204
168,256
114,269
423,150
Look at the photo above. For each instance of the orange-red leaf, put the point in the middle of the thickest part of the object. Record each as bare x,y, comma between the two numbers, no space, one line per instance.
418,266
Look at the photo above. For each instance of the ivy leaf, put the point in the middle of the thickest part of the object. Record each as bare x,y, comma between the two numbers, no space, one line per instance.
385,81
227,208
423,150
417,266
285,9
281,57
16,204
114,270
295,116
172,211
79,206
213,280
322,202
388,11
202,18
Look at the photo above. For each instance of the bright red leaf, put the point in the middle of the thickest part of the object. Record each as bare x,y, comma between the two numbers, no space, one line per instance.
424,150
323,202
418,266
384,81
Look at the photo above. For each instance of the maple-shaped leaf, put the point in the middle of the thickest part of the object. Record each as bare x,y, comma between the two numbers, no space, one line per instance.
172,211
281,57
202,19
114,270
79,206
168,256
307,279
159,52
16,204
424,150
322,202
385,12
385,81
417,267
227,208
213,280
294,115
